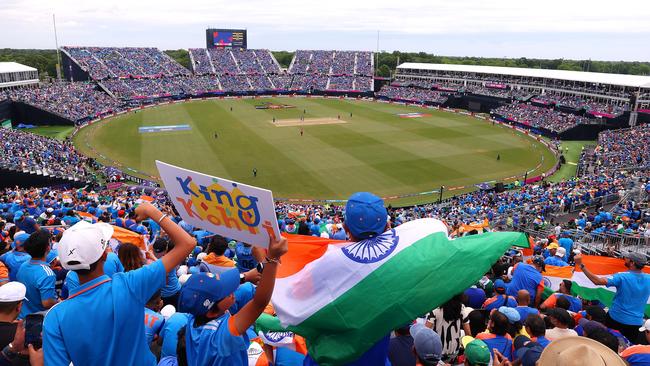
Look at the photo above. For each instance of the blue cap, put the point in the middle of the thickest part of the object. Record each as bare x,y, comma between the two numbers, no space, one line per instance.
18,215
427,343
197,249
499,284
365,215
140,229
20,239
510,313
203,290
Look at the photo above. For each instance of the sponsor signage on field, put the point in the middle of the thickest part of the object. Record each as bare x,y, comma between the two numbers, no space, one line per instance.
148,129
231,209
413,115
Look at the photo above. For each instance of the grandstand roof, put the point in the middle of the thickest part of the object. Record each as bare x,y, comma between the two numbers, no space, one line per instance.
14,67
636,81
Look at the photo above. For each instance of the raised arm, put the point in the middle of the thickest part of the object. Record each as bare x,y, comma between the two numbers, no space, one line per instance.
252,310
596,280
183,242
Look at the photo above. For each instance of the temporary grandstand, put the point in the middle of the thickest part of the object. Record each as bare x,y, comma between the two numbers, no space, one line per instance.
13,74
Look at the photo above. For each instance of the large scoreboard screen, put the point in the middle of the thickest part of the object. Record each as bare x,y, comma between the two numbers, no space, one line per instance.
219,38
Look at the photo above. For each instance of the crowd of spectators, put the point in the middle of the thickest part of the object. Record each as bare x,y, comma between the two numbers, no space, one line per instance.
124,62
509,314
201,61
623,149
578,102
75,101
540,117
412,94
28,152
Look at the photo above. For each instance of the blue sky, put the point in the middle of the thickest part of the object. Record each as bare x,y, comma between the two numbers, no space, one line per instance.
596,29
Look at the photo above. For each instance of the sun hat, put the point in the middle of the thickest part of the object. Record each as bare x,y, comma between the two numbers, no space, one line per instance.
578,351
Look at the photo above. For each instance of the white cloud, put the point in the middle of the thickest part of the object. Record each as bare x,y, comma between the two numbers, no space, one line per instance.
176,24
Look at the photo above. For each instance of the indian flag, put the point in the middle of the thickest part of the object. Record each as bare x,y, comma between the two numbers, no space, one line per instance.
581,286
344,297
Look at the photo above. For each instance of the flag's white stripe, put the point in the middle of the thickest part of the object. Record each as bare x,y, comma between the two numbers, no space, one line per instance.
580,279
302,294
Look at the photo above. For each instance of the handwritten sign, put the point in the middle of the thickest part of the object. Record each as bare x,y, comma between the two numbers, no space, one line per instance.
231,209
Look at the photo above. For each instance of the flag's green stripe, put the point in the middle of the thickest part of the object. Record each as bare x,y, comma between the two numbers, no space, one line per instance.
598,293
416,280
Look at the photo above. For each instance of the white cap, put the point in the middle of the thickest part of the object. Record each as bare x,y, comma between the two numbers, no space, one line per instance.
12,291
83,244
644,327
183,278
182,269
201,256
167,311
560,252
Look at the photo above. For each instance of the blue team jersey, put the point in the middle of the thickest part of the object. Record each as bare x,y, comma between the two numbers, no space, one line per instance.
498,301
169,333
13,260
555,261
287,357
525,311
40,281
525,277
113,333
245,259
153,323
632,291
111,267
172,286
216,343
502,343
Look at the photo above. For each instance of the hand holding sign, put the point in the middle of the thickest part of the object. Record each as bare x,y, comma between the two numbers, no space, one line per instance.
231,209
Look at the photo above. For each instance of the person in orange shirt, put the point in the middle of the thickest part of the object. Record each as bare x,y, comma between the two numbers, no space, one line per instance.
4,274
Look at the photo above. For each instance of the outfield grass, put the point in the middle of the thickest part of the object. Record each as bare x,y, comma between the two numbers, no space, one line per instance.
56,132
571,151
375,151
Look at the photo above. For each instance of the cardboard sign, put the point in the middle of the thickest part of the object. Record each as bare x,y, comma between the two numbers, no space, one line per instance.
230,209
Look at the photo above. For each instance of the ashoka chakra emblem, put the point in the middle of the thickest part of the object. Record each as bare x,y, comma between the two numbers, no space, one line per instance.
372,250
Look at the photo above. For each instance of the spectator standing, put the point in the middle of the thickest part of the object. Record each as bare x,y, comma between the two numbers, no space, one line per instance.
17,256
500,298
37,276
450,319
115,305
523,300
632,291
528,277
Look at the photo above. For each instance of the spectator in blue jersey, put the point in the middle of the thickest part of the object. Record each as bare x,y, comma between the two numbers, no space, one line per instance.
528,277
536,329
500,298
400,348
556,260
172,288
114,305
523,300
566,243
315,227
639,355
630,299
25,223
475,297
17,256
575,304
169,333
153,320
215,337
37,276
246,261
498,337
338,233
71,218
